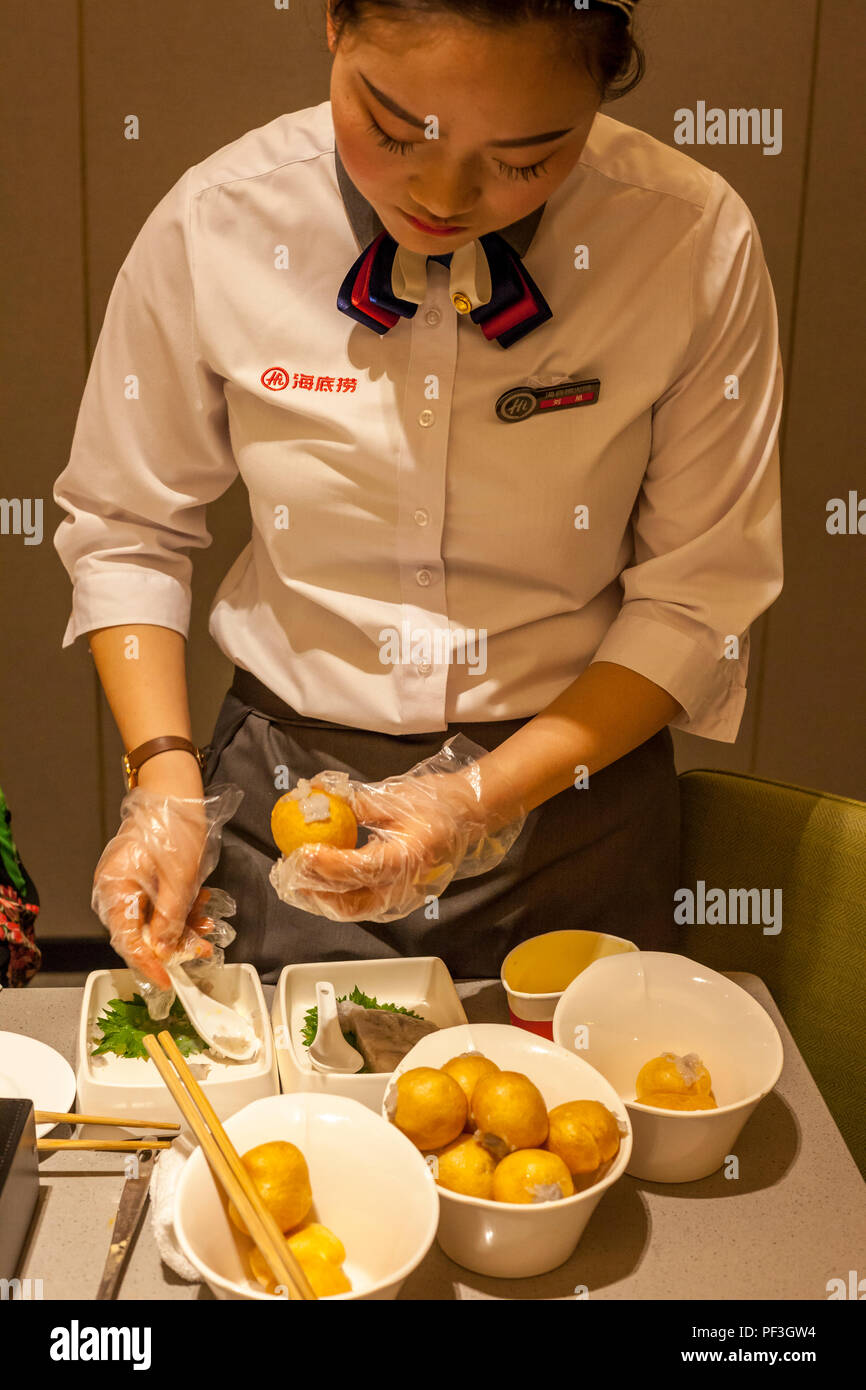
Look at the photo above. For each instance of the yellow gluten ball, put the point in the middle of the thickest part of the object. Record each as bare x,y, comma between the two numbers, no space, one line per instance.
317,818
261,1270
673,1075
315,1239
319,1253
466,1166
661,1101
325,1277
467,1070
279,1171
531,1175
509,1112
431,1108
584,1133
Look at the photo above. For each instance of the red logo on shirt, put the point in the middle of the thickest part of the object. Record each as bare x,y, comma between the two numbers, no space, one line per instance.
277,379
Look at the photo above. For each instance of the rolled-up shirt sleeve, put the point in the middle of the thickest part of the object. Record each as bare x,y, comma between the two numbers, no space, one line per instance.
707,545
151,445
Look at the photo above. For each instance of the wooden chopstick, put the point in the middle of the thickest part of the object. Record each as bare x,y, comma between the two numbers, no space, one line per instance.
226,1165
108,1145
298,1277
57,1117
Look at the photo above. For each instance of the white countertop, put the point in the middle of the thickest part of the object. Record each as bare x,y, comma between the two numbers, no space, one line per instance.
794,1218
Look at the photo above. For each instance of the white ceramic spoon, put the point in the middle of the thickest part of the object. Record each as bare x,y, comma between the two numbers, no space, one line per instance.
329,1051
225,1031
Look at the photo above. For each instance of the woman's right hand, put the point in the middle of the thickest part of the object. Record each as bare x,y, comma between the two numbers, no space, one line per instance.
150,876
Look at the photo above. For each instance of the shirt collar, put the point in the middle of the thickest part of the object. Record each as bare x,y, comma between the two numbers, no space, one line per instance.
366,223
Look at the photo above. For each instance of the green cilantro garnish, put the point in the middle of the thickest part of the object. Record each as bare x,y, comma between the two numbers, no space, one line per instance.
311,1017
125,1023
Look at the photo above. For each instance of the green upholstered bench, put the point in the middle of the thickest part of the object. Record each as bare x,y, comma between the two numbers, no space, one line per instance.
747,832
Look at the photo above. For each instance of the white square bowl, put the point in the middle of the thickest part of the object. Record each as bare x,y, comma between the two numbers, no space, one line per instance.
131,1087
420,983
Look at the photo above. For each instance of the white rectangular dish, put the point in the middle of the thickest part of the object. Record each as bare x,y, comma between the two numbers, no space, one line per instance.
122,1087
419,983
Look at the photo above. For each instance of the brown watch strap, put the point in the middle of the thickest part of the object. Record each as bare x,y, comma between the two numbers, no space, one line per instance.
133,760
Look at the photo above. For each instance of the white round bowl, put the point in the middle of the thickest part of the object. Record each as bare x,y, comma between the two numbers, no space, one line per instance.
371,1187
624,1010
504,1239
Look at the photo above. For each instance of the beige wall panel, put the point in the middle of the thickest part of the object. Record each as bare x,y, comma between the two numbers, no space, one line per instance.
197,75
813,712
735,54
49,764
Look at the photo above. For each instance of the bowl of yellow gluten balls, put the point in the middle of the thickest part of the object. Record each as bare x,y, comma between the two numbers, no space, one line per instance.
522,1138
354,1198
690,1053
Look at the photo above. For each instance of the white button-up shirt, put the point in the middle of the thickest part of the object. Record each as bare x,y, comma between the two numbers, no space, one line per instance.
414,559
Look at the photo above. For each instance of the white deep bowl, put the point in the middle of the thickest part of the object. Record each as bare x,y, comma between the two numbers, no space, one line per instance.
626,1009
504,1239
371,1187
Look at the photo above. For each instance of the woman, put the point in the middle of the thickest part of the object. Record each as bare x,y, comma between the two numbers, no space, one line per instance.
565,466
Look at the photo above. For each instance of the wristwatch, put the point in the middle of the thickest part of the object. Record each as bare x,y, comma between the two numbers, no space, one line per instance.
132,760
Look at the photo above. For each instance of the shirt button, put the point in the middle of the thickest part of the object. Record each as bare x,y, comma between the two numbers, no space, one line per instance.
424,668
425,418
421,517
432,317
424,577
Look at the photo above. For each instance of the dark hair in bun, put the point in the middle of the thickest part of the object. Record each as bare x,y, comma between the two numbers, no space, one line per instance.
599,36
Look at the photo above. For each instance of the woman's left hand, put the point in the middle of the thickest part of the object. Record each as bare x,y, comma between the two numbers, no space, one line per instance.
426,827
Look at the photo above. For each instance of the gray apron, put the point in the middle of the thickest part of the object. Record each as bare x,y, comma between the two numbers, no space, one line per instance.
605,858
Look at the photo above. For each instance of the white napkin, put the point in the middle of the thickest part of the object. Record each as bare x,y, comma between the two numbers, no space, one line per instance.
163,1183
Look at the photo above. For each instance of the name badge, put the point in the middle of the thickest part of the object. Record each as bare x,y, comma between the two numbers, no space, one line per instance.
522,401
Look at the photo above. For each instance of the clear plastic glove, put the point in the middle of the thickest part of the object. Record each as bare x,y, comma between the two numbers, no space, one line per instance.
147,886
427,827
